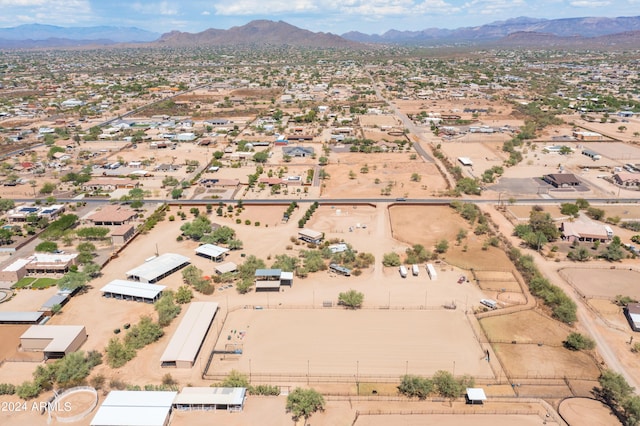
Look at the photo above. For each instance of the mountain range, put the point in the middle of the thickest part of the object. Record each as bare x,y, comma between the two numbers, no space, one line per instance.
569,27
517,31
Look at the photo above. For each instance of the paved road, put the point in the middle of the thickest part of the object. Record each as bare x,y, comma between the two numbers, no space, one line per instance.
329,201
406,122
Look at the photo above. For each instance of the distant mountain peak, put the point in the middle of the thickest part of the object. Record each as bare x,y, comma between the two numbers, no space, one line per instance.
260,32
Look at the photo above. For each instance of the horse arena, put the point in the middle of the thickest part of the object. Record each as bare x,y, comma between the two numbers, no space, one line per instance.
332,344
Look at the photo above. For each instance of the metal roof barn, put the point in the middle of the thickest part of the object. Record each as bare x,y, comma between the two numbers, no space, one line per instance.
135,408
158,268
130,290
20,317
187,339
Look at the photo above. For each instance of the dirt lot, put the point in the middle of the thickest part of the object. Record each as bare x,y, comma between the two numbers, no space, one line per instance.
270,411
425,225
524,327
497,280
521,212
538,350
574,411
394,169
483,158
623,211
376,343
603,283
533,361
10,338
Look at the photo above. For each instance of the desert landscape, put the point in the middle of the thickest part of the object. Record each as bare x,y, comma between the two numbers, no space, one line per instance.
411,237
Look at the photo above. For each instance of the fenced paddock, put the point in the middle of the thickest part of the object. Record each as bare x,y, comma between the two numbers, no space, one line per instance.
603,283
502,281
433,417
348,345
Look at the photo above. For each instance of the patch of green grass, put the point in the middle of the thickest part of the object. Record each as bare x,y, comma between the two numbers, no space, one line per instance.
23,282
44,283
387,389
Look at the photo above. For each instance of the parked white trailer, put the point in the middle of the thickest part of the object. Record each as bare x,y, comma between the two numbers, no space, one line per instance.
403,271
431,270
415,270
489,303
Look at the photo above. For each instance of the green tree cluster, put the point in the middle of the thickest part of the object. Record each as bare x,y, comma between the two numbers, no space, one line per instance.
192,275
69,371
166,308
307,215
391,259
56,229
619,395
578,342
119,352
443,383
92,232
352,299
562,306
302,403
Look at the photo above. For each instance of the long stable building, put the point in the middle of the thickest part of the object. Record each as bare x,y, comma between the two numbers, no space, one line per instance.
157,268
130,290
210,399
135,408
187,340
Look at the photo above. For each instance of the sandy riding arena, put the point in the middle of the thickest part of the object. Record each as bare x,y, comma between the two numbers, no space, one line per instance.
344,343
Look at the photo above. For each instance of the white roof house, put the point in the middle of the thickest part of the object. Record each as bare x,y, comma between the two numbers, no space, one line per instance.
212,251
226,267
130,290
186,341
135,408
311,236
159,267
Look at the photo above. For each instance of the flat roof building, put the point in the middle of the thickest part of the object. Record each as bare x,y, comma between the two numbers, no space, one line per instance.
310,236
212,252
225,267
157,268
38,264
584,231
54,340
57,299
272,279
20,317
130,290
208,398
187,340
135,408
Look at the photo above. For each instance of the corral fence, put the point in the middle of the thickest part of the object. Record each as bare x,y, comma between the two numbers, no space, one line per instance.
297,377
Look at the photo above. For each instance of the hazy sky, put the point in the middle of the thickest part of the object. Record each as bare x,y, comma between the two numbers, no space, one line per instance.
336,16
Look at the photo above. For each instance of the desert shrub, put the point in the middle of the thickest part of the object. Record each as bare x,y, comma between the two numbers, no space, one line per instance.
7,389
578,342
